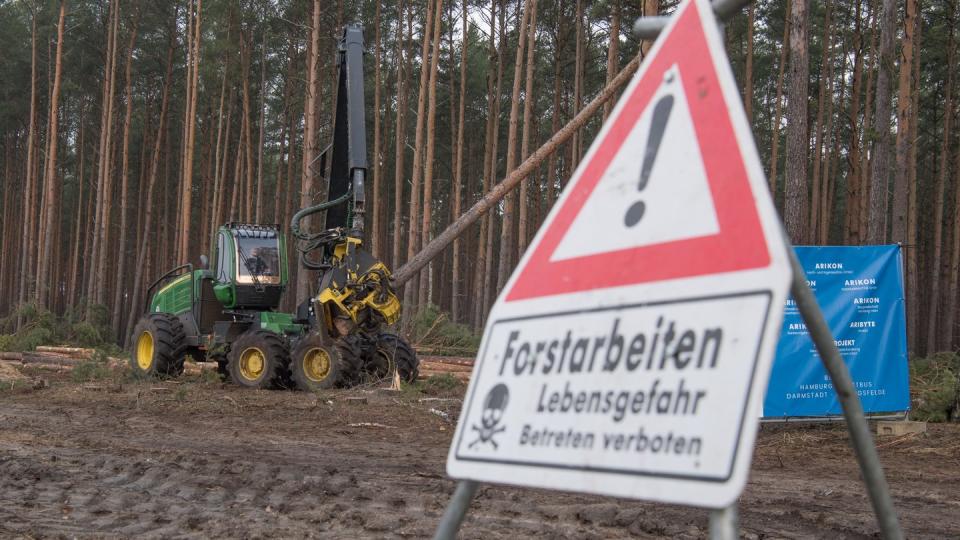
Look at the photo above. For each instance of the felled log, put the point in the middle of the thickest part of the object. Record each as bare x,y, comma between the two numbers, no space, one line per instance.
452,360
47,358
73,352
425,373
446,368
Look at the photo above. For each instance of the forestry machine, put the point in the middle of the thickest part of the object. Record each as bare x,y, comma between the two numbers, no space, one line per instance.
339,336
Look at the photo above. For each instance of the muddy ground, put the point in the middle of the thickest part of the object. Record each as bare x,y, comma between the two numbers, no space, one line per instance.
198,459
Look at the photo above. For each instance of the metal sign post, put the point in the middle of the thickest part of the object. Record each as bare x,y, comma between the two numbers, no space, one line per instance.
529,283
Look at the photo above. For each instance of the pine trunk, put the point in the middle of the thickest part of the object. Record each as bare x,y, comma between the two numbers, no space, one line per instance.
118,296
508,237
400,134
613,53
826,46
578,87
795,195
905,118
29,205
96,278
528,128
880,153
481,269
937,218
913,276
852,229
457,284
778,108
149,207
259,217
748,65
189,133
309,134
864,200
50,175
410,293
425,288
375,246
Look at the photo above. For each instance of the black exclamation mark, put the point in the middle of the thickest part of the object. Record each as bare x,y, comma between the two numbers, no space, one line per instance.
661,113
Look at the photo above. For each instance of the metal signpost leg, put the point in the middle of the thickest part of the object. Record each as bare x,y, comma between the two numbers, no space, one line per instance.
860,437
723,523
456,510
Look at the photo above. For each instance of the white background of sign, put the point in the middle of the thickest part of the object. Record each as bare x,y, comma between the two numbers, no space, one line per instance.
726,427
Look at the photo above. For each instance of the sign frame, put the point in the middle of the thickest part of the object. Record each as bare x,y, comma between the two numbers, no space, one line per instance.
723,522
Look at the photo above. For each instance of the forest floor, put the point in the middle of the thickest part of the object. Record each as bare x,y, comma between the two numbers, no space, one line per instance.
196,458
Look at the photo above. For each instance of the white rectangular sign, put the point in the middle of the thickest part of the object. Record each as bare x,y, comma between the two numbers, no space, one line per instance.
644,390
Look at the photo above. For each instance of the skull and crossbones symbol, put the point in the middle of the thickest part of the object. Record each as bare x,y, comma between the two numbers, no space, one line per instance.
493,407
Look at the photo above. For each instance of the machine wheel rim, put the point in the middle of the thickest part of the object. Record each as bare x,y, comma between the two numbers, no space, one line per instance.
252,363
386,364
316,364
145,350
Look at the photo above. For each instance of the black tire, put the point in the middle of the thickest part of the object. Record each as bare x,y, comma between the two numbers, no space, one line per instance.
350,348
258,359
157,346
393,353
315,365
221,360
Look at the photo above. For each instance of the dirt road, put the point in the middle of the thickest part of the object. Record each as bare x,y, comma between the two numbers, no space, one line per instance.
196,459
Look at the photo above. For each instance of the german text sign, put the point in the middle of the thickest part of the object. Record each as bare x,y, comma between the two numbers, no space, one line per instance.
628,353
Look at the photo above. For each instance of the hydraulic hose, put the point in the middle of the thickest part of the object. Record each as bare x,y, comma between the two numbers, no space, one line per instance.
304,212
312,241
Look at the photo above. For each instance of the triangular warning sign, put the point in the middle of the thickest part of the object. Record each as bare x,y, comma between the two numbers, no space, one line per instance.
665,183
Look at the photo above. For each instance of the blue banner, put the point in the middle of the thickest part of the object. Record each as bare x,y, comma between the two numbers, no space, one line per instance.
860,290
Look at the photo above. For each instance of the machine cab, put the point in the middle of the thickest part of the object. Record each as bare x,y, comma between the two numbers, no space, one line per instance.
249,266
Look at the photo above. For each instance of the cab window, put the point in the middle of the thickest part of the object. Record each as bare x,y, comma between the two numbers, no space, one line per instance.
260,259
224,268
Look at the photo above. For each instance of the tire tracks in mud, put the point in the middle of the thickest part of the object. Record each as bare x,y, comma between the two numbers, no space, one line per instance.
230,463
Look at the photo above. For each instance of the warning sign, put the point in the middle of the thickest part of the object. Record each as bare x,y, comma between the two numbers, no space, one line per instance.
628,353
665,191
633,382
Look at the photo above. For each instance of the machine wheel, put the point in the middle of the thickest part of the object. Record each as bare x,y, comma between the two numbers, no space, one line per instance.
157,346
221,360
315,365
350,349
393,353
258,359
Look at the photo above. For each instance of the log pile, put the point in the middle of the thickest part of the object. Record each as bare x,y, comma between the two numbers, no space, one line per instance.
459,367
53,358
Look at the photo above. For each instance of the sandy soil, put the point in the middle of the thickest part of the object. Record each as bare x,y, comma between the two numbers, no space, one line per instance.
198,459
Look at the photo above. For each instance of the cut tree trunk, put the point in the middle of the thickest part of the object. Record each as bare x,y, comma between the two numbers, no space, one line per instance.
510,182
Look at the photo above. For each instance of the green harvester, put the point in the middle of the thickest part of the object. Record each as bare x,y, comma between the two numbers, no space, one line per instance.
229,313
